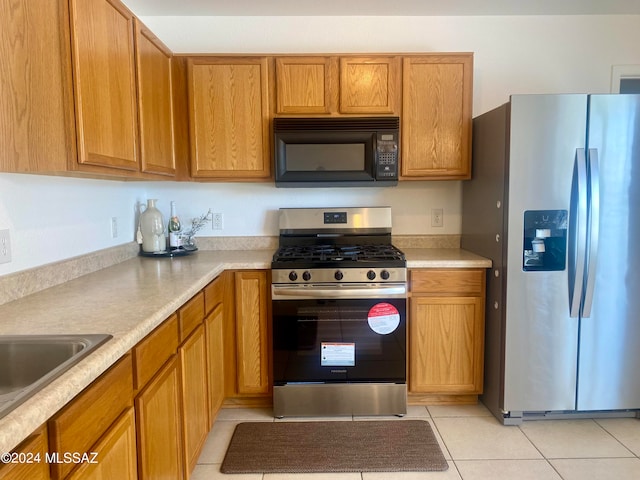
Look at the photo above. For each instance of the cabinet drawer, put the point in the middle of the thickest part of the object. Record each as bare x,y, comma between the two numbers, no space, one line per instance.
191,314
152,352
80,424
33,447
447,281
213,294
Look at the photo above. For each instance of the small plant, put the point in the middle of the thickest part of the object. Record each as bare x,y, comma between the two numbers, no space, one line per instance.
196,225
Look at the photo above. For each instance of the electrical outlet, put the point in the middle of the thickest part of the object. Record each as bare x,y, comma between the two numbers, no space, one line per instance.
5,246
114,227
437,219
217,222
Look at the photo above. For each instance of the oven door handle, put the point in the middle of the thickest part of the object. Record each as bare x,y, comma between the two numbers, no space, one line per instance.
341,290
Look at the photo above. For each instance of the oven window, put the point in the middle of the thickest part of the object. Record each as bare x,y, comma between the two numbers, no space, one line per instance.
339,340
331,157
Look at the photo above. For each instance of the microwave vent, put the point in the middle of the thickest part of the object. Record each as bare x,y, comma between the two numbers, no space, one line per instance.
287,124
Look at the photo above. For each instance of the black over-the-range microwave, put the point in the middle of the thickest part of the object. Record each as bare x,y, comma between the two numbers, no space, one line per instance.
336,151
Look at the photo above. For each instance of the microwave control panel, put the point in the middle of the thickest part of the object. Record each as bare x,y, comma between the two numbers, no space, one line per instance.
387,156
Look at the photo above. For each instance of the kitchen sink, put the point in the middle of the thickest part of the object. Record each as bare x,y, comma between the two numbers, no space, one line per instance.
30,362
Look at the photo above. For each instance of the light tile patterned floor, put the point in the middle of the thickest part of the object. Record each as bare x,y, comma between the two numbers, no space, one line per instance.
476,446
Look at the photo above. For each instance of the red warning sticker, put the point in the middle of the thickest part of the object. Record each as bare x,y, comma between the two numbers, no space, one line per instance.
383,318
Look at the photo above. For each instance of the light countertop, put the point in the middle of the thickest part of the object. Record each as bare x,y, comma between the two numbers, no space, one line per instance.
128,300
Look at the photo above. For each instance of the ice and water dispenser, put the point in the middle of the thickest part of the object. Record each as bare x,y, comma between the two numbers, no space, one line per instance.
545,240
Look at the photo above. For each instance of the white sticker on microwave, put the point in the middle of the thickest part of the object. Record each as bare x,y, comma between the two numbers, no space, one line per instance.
383,318
338,354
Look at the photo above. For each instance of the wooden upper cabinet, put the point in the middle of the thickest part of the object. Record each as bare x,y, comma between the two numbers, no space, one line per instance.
36,111
436,116
304,85
155,103
105,84
229,118
338,85
370,85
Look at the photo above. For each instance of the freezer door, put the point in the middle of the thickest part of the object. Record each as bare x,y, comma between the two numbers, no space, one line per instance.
609,376
541,338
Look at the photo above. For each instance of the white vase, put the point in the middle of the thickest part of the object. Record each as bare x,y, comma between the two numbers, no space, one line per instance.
152,229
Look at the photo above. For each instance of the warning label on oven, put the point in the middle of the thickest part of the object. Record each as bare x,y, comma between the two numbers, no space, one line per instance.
338,354
383,318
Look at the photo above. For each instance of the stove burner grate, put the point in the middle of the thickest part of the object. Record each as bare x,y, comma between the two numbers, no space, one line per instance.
337,253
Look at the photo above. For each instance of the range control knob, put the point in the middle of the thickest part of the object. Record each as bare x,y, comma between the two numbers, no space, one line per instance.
338,275
306,276
384,274
371,274
293,276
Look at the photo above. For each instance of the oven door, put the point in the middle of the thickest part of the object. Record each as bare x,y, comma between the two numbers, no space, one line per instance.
329,340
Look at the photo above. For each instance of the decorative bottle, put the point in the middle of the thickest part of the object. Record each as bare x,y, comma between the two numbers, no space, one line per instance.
174,228
152,228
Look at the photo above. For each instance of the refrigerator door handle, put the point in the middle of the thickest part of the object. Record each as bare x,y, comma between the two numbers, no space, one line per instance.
577,232
594,230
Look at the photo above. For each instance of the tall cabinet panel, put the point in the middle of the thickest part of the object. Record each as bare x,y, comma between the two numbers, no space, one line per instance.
229,117
104,82
156,103
252,333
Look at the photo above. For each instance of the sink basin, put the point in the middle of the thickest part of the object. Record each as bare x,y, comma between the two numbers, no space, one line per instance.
29,362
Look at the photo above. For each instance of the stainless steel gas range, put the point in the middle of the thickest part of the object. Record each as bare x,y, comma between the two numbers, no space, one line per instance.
339,314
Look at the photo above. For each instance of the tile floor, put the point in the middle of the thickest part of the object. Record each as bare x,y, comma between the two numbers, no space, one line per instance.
476,446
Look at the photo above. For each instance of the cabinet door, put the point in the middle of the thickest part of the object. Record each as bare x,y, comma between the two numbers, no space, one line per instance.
159,426
446,345
229,118
253,358
36,106
304,85
370,85
35,446
104,83
155,103
193,363
436,117
116,453
215,360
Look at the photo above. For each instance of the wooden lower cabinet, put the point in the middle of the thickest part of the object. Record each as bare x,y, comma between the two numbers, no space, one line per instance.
116,453
159,426
149,415
79,425
193,364
446,335
33,447
446,341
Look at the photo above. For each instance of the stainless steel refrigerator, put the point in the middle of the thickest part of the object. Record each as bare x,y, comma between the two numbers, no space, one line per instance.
554,201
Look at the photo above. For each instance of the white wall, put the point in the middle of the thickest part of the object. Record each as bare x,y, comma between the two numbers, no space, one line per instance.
512,54
55,218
